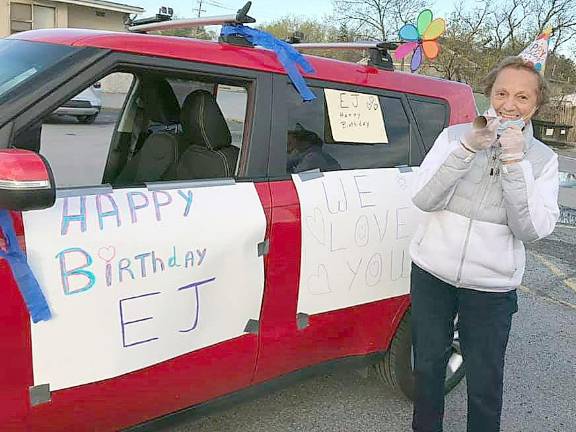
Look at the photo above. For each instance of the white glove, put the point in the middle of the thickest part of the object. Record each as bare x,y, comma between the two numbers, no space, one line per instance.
513,144
478,139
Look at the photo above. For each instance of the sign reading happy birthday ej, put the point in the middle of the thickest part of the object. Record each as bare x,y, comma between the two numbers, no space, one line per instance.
136,277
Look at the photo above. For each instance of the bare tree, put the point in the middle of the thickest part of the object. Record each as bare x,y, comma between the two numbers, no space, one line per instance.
560,15
380,19
508,19
461,45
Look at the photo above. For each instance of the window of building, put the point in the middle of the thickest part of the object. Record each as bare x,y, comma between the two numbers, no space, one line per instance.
310,143
43,17
27,17
20,17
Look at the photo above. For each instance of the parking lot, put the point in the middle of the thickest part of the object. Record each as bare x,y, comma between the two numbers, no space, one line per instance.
540,386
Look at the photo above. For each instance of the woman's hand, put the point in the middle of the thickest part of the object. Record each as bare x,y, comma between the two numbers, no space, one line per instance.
478,139
513,144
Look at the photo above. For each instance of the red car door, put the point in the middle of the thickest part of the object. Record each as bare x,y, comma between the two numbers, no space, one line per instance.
152,306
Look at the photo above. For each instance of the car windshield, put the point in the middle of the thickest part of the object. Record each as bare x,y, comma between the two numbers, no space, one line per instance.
21,60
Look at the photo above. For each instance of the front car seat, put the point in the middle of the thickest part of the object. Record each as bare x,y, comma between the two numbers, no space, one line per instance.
158,148
210,153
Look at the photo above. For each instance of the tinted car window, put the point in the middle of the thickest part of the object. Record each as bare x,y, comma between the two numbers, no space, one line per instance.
22,60
431,118
311,145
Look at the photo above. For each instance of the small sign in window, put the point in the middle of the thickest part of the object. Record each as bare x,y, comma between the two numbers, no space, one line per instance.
549,132
355,117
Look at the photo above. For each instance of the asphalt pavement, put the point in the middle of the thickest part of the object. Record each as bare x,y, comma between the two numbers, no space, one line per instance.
540,378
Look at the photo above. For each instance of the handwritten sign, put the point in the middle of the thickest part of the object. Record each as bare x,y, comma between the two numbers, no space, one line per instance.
356,229
137,277
355,117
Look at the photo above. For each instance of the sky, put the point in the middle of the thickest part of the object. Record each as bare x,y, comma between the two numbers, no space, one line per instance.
262,10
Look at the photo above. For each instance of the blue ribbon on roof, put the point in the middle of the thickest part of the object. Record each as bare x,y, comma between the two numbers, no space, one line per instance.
286,53
27,283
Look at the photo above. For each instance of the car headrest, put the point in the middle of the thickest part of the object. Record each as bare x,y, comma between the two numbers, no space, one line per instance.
203,122
160,102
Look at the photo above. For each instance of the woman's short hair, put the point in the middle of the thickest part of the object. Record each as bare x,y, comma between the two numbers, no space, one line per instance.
516,62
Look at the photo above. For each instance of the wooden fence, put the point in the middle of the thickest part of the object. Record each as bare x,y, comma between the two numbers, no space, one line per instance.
562,114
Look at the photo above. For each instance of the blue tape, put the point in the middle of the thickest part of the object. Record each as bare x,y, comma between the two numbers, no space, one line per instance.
27,283
286,53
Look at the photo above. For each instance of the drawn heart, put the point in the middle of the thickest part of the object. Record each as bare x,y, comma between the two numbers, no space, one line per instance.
317,226
107,253
318,282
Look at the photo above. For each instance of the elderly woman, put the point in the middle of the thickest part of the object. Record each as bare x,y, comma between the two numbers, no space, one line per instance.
486,188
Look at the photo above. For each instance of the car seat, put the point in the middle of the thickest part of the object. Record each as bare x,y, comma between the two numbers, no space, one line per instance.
210,153
157,155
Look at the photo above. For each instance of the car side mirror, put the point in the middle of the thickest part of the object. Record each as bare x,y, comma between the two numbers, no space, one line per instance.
26,181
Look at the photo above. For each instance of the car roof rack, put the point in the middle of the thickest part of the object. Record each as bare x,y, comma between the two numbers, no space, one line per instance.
378,52
164,21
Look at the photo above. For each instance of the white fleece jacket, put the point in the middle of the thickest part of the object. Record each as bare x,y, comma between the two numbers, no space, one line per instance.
479,211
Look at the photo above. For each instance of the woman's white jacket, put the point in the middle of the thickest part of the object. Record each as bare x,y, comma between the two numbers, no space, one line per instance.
479,212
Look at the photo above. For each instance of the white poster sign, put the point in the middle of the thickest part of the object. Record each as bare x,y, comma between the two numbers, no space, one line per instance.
137,277
356,229
355,117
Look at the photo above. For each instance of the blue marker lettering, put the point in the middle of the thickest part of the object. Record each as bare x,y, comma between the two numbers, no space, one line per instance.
67,218
173,261
158,204
142,258
188,198
133,206
201,255
79,271
104,214
155,262
124,265
124,324
189,259
195,285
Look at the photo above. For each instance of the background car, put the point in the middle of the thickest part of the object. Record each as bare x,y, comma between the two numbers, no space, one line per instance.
85,106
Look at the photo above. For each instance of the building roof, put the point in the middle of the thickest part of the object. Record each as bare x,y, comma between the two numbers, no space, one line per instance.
105,5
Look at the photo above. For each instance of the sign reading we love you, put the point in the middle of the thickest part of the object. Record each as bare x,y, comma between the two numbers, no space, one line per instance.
356,229
136,277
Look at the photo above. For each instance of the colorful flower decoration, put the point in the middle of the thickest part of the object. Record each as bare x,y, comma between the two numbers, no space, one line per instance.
421,39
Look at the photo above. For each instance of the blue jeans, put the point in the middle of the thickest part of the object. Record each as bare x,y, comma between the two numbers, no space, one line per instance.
484,320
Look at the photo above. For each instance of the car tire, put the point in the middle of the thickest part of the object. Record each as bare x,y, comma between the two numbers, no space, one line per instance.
87,119
396,368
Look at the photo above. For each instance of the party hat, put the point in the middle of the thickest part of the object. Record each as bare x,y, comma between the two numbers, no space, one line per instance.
536,52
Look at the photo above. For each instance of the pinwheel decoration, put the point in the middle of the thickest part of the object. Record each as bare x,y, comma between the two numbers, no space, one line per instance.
421,39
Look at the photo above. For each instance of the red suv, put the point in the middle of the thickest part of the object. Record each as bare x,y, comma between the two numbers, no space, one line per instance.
210,232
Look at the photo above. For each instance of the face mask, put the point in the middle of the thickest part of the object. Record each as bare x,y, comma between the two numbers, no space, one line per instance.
507,123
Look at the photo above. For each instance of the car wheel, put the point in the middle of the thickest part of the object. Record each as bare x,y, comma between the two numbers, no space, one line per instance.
396,369
87,119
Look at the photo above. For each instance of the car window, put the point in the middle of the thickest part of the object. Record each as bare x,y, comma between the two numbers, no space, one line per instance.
22,60
431,118
132,128
76,136
233,100
312,143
